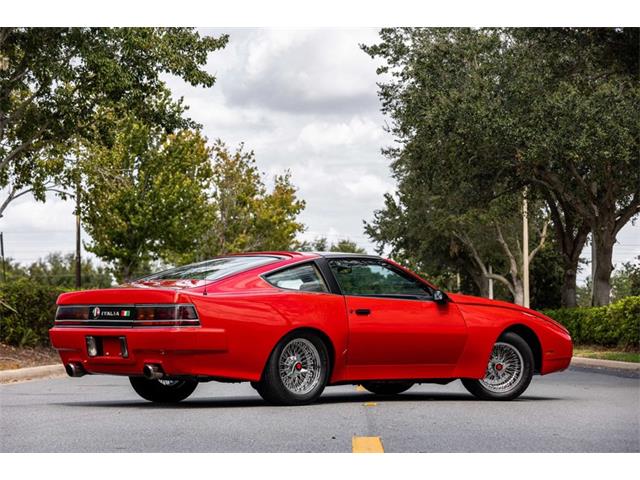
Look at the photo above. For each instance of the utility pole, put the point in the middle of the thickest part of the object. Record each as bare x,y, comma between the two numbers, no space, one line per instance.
593,269
78,258
4,271
490,283
525,248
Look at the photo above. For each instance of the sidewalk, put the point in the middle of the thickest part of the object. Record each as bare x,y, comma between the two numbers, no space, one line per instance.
32,373
597,364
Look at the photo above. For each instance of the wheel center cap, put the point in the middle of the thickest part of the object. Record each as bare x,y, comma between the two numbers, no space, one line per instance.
298,366
498,366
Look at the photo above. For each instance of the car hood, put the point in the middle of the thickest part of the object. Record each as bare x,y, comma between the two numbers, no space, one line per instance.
487,302
471,300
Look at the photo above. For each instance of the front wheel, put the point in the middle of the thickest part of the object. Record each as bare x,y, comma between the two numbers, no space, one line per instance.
387,388
509,370
163,391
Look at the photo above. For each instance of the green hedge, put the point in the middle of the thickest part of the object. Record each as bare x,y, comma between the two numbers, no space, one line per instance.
27,309
616,325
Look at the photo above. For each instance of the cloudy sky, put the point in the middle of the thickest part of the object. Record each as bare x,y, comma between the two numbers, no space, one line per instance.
303,100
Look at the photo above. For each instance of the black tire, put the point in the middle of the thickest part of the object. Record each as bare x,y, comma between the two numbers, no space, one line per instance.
272,388
156,391
480,389
387,388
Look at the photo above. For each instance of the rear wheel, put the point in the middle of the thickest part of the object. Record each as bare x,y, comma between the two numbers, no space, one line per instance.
387,388
297,370
508,373
163,391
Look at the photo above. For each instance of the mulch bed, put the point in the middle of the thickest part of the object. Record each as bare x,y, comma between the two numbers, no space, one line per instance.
21,357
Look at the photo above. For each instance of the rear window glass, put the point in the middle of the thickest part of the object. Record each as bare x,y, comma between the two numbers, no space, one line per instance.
305,278
211,269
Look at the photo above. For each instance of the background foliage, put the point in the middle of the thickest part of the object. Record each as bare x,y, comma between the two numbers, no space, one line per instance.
27,310
614,325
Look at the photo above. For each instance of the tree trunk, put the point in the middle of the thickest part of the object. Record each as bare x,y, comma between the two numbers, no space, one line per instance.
518,292
571,235
568,293
603,239
481,282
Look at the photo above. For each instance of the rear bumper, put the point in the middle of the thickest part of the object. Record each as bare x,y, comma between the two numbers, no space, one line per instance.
180,351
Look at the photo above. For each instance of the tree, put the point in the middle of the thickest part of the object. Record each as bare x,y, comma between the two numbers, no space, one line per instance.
625,281
242,214
57,78
547,276
144,197
582,100
490,111
321,244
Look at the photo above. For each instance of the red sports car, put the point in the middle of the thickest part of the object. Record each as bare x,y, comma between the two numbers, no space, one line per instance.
293,323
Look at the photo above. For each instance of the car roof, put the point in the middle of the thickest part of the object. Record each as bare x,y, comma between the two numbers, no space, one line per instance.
292,254
346,255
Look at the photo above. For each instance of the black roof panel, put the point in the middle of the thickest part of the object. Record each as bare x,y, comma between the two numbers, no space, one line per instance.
347,255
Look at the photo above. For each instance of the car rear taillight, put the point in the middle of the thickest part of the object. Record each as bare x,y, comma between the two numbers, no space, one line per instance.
174,315
127,315
72,313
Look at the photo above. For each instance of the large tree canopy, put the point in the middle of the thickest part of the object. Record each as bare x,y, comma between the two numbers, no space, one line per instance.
243,215
478,114
56,79
144,197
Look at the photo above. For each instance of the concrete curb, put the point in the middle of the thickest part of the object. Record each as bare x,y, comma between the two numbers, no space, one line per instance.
31,373
598,364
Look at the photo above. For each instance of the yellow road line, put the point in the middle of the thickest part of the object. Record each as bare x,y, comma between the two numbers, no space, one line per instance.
366,445
360,388
370,404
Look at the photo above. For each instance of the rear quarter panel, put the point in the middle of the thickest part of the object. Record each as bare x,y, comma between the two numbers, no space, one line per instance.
255,320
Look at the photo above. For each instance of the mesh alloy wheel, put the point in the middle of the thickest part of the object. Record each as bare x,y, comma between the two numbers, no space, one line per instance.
504,370
299,366
297,370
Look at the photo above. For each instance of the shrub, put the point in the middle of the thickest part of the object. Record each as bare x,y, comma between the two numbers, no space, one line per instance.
615,325
27,309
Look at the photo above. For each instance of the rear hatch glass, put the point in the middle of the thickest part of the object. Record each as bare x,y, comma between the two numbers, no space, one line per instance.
211,269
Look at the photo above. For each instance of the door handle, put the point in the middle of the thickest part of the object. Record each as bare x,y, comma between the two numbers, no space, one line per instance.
363,311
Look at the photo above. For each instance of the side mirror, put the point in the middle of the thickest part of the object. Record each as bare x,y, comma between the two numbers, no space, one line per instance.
440,297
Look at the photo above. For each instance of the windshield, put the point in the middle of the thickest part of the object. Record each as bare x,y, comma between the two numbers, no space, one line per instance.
211,269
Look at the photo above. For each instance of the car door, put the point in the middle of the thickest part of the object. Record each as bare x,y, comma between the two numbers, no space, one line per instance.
394,322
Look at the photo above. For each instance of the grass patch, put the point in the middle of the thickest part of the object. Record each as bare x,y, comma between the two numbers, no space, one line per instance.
606,354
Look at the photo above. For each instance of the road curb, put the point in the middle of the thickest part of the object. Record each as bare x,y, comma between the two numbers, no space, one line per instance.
595,363
31,373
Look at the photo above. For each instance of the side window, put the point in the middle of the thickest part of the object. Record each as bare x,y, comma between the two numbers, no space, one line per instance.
305,278
364,277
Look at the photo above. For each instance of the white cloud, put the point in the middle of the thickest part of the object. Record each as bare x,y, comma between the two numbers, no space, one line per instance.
321,135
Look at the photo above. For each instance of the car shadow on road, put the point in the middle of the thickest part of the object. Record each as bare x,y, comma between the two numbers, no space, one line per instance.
326,399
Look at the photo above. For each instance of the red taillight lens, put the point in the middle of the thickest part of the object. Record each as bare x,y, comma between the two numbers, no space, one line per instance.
72,313
187,312
156,313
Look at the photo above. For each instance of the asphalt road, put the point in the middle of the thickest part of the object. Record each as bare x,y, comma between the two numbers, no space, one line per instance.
576,410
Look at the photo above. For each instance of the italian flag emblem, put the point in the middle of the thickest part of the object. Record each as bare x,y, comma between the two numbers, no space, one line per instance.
125,313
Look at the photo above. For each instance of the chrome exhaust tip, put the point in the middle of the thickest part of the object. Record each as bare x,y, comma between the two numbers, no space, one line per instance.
152,372
75,370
